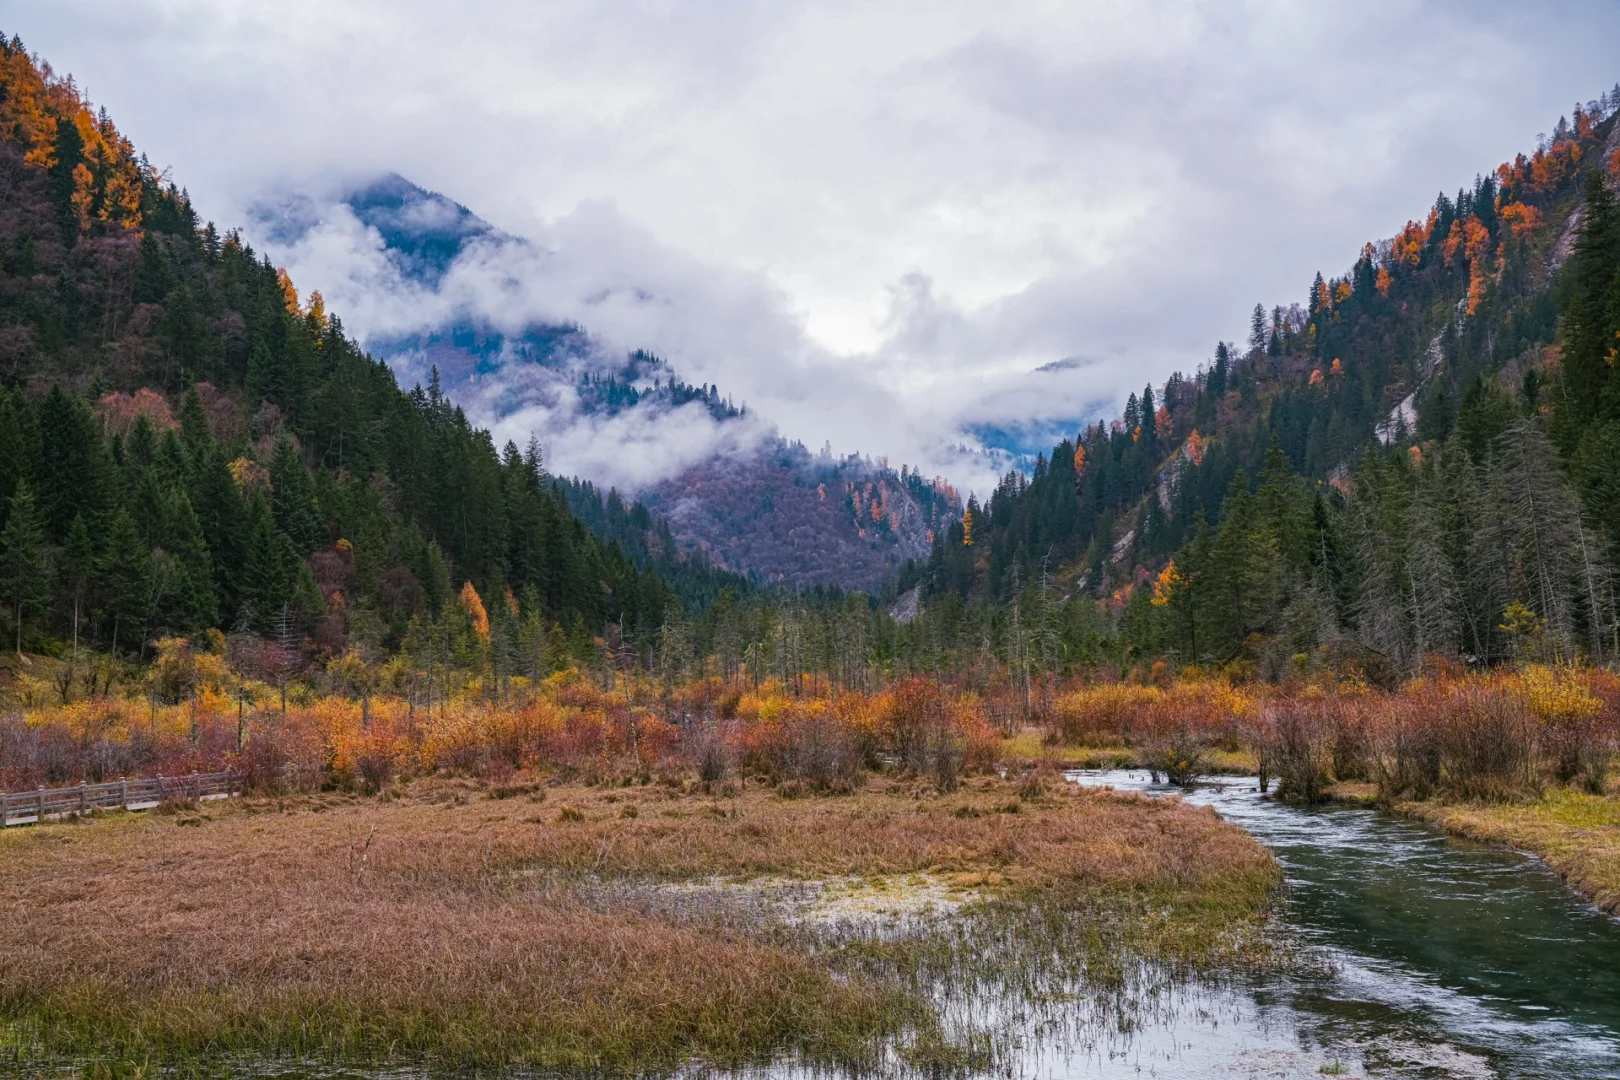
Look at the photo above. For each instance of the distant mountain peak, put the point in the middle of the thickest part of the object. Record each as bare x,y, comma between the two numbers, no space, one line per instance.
422,231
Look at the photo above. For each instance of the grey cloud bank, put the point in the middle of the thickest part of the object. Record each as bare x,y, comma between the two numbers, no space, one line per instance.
869,221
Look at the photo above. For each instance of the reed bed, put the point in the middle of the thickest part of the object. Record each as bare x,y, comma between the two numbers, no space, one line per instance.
453,921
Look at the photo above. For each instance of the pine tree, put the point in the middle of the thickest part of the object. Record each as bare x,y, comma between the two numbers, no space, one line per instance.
292,499
1216,383
267,568
73,475
24,577
76,568
435,577
196,605
125,579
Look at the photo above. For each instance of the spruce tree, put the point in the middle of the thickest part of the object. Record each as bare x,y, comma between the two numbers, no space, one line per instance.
124,579
263,382
17,444
73,474
24,577
292,499
1216,383
76,568
196,604
267,568
1592,313
308,605
1257,329
1228,572
194,429
435,577
222,517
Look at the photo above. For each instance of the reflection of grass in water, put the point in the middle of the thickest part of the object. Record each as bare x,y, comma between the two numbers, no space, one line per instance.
1033,965
486,934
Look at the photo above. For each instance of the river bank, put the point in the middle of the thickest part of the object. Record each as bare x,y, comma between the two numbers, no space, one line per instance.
1575,833
605,928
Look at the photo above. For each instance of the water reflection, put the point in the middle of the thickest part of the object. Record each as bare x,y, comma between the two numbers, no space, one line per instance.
1448,959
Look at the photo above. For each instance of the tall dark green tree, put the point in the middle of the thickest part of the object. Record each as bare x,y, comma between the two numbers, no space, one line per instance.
292,499
124,581
74,472
76,570
24,575
268,568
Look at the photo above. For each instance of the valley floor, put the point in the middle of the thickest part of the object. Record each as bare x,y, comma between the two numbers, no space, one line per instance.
612,927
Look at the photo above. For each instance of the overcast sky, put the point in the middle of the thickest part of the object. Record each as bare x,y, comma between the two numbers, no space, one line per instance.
871,220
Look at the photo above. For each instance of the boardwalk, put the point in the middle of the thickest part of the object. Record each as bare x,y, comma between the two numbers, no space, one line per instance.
51,804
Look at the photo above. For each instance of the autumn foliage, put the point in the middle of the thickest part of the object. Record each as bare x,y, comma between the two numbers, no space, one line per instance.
1501,734
567,725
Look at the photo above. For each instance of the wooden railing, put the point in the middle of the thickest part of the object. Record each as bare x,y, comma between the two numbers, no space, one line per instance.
43,804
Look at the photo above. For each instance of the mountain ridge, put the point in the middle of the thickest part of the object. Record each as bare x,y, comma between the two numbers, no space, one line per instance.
747,505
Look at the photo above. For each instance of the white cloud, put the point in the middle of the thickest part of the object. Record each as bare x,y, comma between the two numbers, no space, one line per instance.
868,220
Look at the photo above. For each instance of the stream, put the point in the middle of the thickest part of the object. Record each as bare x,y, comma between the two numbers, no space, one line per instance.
1445,958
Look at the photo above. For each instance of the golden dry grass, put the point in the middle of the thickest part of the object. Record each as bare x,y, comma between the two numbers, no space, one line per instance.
439,924
1031,745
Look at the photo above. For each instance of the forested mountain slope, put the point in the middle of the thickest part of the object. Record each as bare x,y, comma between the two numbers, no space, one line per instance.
728,484
185,443
1418,459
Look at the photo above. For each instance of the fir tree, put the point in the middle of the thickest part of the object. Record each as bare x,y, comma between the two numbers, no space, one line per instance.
73,474
267,568
24,576
196,604
76,568
124,579
1257,329
292,499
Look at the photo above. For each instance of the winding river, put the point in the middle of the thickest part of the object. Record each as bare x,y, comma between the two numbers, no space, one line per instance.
1444,958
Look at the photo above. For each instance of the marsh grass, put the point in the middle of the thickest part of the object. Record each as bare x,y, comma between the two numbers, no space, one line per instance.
452,928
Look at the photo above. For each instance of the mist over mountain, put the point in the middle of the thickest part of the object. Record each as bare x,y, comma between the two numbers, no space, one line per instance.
440,293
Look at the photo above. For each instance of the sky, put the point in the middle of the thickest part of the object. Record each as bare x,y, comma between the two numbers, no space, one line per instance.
872,221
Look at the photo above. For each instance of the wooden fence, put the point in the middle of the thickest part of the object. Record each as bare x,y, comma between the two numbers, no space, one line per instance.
43,804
